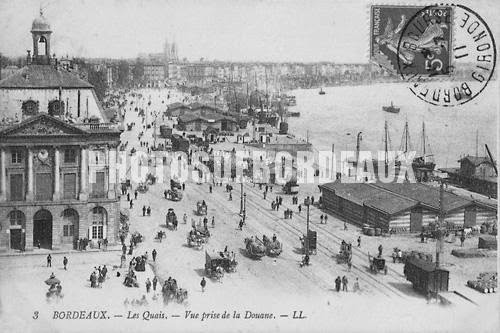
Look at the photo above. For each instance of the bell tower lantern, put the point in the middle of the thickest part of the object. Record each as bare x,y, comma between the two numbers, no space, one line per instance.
40,31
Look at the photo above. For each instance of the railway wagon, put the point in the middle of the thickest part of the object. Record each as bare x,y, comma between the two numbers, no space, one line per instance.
425,277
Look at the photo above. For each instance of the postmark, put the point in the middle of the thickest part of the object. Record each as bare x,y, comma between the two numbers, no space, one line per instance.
432,37
472,51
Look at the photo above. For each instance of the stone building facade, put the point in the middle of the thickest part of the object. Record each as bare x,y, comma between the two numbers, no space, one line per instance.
58,175
58,183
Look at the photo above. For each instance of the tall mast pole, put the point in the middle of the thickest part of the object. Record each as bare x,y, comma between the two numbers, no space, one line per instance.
423,139
477,142
386,157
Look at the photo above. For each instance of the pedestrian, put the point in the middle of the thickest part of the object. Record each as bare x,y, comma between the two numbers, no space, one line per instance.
338,282
148,285
183,186
155,282
230,196
349,264
265,193
312,200
128,196
65,262
462,240
148,210
210,188
344,283
49,260
131,203
122,260
380,250
356,286
213,221
203,283
300,209
135,194
345,225
154,253
326,217
359,241
321,219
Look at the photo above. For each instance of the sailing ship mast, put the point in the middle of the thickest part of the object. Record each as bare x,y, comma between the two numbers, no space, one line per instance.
423,141
386,139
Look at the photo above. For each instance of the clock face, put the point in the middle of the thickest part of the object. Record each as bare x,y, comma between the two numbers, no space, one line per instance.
43,154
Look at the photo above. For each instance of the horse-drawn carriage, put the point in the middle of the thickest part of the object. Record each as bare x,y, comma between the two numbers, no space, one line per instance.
377,264
216,265
309,242
201,208
171,291
273,246
171,219
150,179
142,187
255,248
173,195
194,239
175,184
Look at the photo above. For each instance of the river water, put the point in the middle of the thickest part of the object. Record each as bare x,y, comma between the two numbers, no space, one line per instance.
336,118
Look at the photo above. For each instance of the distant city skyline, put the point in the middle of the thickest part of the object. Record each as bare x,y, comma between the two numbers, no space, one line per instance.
224,30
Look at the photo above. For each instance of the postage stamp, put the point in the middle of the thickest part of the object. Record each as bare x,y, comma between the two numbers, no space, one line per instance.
473,53
407,39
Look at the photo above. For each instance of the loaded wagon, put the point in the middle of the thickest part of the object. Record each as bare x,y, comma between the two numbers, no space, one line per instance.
201,208
219,260
291,187
377,264
426,277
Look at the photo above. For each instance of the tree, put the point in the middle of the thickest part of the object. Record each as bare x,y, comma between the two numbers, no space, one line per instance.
138,71
98,80
123,73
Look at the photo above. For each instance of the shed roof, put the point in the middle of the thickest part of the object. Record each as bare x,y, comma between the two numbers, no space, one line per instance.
393,198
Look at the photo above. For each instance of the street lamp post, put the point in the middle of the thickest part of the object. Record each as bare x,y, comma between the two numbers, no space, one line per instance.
307,202
244,207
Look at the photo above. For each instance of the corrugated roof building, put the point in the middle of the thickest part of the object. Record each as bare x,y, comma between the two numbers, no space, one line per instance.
403,207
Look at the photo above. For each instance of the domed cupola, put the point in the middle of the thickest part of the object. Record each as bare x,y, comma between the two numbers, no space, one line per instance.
40,31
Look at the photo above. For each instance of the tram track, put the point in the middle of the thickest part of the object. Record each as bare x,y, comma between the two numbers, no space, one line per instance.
368,277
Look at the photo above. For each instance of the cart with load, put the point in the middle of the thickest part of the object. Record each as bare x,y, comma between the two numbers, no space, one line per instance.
195,240
142,187
201,208
273,246
171,219
255,249
173,195
175,184
377,264
217,264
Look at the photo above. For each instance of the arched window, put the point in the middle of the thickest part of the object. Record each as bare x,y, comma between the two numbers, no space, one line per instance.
99,221
56,107
17,218
42,46
30,107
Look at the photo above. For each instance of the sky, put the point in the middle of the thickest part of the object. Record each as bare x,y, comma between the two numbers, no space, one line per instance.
231,30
